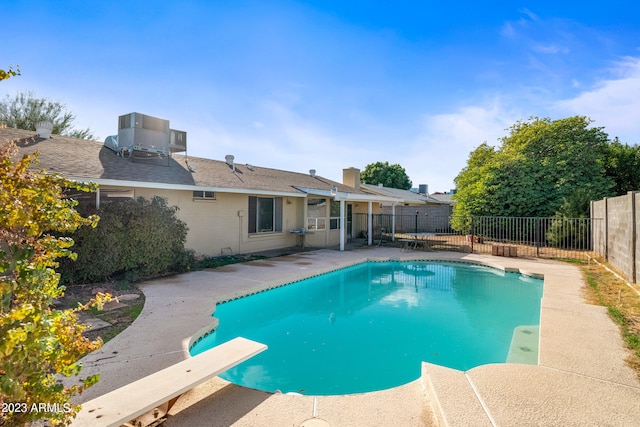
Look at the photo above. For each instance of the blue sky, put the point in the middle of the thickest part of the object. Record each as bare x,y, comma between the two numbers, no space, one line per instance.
330,84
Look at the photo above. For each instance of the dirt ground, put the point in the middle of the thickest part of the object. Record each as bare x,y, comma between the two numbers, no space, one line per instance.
120,313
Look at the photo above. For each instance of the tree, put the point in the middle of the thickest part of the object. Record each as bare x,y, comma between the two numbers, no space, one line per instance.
25,110
4,75
541,166
37,341
623,166
392,176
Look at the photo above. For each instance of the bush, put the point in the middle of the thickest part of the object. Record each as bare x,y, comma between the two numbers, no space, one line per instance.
37,341
134,238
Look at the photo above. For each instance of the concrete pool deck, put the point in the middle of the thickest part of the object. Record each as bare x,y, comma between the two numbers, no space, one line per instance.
581,378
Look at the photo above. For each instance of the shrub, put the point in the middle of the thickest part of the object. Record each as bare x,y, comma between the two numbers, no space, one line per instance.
37,342
134,238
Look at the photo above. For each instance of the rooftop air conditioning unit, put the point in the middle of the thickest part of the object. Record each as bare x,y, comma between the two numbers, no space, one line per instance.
177,140
144,133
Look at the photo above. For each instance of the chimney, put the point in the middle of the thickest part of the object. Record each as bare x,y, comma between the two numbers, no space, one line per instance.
423,189
351,177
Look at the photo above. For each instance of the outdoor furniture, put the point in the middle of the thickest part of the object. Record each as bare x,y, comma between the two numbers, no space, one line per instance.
409,244
146,402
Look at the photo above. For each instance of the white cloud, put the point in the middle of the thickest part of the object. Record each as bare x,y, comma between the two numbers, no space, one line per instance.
550,49
613,103
447,139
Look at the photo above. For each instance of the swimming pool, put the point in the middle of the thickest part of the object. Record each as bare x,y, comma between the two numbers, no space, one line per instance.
368,327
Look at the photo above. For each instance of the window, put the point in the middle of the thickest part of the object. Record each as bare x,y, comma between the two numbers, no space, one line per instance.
316,214
204,195
316,223
265,214
334,220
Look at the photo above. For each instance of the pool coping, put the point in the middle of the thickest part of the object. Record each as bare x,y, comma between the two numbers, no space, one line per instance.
182,305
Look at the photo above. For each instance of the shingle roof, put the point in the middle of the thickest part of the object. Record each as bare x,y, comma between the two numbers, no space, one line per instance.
92,161
406,195
443,197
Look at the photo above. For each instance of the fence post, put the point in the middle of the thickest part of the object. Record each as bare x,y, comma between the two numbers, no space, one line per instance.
537,237
606,229
634,221
473,232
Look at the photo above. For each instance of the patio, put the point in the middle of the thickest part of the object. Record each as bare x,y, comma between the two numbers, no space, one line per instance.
581,378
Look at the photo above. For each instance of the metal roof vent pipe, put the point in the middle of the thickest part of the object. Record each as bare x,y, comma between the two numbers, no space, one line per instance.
423,189
312,172
229,159
43,129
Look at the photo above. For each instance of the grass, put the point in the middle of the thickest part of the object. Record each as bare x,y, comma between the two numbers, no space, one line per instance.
623,305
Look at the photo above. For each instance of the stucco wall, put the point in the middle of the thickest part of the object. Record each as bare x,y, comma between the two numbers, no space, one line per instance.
220,226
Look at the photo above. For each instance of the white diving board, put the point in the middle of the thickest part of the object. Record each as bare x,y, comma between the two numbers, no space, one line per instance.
145,402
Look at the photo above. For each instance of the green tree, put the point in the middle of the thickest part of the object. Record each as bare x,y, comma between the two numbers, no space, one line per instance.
37,342
25,110
392,176
623,166
4,75
539,167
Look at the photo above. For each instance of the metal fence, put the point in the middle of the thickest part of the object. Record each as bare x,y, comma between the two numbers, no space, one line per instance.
552,237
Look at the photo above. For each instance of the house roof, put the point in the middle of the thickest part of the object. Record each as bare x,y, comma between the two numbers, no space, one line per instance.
407,196
85,160
443,197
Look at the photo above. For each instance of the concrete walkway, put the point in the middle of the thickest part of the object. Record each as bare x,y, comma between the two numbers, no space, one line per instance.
581,378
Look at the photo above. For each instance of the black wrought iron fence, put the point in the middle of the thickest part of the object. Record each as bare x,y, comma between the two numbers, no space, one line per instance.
552,237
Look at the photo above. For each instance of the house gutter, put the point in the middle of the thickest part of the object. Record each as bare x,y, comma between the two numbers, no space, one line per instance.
164,186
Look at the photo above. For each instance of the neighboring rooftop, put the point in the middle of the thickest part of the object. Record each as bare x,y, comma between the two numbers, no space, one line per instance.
407,196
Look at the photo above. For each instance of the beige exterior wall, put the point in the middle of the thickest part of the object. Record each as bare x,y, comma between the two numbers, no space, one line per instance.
220,226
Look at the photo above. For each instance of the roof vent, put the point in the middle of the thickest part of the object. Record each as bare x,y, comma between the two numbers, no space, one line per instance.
312,172
250,167
229,159
380,185
43,129
423,189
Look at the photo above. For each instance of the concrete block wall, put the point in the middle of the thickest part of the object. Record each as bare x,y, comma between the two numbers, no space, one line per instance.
637,236
618,240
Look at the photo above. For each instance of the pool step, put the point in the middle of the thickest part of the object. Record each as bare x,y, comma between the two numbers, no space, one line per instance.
453,399
524,345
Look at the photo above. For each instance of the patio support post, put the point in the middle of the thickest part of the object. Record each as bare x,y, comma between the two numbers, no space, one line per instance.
98,198
370,223
393,222
342,222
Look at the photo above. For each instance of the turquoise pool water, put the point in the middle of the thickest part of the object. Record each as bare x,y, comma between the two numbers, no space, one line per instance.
368,327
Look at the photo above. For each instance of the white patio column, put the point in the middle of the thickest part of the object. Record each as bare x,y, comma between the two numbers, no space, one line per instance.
370,222
393,222
98,198
342,222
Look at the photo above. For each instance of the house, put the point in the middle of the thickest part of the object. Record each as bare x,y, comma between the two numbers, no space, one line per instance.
229,207
418,210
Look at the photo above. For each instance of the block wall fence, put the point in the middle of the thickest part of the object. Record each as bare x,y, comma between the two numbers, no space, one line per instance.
617,240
